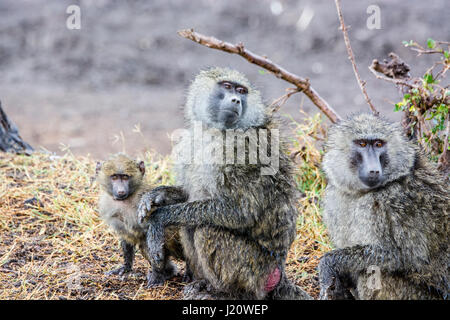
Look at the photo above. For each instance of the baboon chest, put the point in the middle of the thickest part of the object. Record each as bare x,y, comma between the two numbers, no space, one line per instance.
122,218
355,221
202,181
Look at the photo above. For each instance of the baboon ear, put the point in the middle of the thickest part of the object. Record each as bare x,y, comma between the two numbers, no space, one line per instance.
98,167
141,167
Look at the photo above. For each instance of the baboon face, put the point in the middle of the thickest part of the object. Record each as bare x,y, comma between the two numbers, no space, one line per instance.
120,186
369,158
365,152
228,102
223,98
120,176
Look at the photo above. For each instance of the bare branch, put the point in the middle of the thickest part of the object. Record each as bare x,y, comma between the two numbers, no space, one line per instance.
362,84
301,83
388,75
278,103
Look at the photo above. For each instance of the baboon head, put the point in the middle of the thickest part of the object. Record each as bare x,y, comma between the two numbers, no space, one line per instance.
222,98
365,152
120,176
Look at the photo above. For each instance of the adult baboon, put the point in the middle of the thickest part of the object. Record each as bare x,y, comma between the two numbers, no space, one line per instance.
240,219
386,208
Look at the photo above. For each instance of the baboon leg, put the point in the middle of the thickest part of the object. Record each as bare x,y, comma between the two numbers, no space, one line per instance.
187,239
392,287
162,269
128,257
247,271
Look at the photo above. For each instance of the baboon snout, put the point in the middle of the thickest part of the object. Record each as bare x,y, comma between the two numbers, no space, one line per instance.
120,192
374,174
236,100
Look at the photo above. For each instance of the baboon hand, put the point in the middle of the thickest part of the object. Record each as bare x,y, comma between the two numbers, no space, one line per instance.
121,271
149,203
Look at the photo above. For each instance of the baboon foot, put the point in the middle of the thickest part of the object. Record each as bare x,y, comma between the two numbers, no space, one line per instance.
199,290
155,279
121,271
187,278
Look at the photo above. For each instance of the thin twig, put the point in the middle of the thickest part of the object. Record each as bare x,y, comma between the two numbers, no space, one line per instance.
279,102
421,51
362,84
301,83
385,78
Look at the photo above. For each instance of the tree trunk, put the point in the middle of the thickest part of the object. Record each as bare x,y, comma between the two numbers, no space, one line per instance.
10,140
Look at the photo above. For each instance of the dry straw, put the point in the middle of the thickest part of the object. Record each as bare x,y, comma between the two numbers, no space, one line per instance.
53,245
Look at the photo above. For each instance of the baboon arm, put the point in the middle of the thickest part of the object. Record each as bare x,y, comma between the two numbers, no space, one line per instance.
353,260
171,195
213,212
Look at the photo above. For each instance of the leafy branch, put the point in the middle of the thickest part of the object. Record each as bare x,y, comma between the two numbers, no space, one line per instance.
425,103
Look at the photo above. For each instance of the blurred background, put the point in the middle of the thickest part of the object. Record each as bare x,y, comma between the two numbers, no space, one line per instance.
119,83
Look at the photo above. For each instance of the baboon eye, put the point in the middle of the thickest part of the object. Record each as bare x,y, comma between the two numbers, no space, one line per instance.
241,90
125,177
378,144
362,144
227,85
114,177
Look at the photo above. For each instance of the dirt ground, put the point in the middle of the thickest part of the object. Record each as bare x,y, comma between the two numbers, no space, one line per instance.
88,89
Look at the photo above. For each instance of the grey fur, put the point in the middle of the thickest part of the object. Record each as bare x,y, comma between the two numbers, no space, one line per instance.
400,227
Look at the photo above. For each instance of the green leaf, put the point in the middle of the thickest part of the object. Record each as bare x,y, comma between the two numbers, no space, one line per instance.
446,54
261,72
428,78
442,108
431,43
407,96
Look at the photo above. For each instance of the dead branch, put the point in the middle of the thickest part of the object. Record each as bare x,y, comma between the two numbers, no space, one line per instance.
395,71
10,140
301,83
362,84
278,103
396,68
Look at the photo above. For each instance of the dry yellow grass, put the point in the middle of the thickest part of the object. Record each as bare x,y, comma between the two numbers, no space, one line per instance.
53,245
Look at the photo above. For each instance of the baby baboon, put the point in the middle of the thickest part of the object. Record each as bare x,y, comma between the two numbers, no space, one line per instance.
239,221
386,208
122,185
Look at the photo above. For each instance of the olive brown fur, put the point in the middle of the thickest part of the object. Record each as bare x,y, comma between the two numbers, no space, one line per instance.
397,229
238,224
120,213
